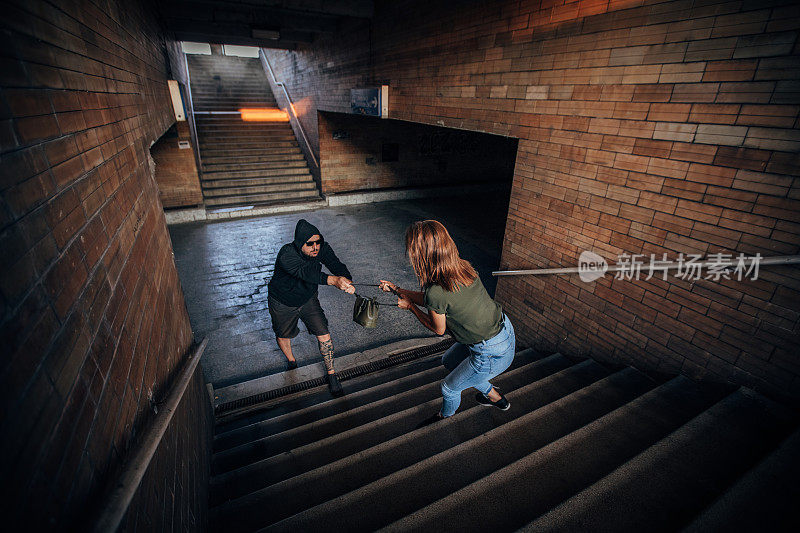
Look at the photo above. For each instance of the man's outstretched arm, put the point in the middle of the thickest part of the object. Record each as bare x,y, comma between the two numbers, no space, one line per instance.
305,270
329,259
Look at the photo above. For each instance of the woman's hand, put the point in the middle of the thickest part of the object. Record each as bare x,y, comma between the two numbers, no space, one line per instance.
404,303
387,286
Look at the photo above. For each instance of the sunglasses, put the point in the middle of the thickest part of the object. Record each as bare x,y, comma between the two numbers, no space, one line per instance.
312,243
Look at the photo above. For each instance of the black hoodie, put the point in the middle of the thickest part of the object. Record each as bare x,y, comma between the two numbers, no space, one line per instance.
297,275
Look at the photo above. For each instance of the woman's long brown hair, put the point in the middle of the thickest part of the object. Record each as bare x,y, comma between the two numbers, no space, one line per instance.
435,258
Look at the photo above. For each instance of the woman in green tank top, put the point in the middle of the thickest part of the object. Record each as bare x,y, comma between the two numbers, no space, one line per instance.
455,300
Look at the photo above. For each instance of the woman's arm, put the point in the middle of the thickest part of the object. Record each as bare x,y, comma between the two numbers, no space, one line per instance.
432,320
417,297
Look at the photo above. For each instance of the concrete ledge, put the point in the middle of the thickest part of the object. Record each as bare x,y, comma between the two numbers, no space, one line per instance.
317,370
257,211
184,216
367,197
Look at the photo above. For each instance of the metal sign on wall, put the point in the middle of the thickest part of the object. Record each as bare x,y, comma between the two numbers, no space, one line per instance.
372,101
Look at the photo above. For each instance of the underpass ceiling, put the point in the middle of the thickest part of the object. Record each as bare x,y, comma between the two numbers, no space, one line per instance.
283,24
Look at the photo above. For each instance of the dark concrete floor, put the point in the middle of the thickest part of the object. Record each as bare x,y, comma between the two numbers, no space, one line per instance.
224,268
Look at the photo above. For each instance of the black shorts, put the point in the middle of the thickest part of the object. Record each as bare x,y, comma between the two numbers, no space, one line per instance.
284,318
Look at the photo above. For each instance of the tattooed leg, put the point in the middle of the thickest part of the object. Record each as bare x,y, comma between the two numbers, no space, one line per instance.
326,349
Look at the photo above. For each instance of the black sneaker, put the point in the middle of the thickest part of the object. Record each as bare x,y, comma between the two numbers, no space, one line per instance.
503,404
430,420
334,385
292,365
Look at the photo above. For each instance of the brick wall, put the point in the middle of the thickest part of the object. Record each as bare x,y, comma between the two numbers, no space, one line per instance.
645,127
352,154
176,169
93,318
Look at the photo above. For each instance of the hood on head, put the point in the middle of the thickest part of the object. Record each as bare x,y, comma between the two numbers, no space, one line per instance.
303,231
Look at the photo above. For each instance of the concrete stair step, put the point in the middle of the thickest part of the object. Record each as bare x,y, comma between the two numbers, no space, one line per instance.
232,104
333,478
230,107
253,91
212,164
254,143
234,101
673,480
525,489
258,91
213,153
232,201
263,145
258,189
276,172
403,382
373,420
264,428
296,161
242,128
243,89
760,499
216,104
264,138
229,76
268,136
255,182
237,124
321,398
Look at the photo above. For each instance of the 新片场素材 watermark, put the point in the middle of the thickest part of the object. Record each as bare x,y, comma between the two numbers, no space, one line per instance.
689,267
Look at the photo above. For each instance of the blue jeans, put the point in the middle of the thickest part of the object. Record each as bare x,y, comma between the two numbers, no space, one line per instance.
473,365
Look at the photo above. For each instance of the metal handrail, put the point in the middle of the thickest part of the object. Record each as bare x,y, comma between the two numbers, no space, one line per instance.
118,501
280,84
778,260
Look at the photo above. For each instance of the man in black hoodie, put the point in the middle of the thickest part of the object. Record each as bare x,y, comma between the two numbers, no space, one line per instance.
293,293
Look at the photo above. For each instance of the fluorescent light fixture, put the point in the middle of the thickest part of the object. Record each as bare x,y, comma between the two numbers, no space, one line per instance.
272,35
177,100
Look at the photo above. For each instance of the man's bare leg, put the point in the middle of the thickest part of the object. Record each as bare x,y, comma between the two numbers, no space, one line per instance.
286,347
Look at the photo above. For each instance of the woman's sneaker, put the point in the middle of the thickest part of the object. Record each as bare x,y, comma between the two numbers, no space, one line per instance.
503,404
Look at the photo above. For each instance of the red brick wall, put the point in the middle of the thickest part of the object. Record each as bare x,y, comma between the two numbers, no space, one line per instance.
644,127
426,155
93,318
176,169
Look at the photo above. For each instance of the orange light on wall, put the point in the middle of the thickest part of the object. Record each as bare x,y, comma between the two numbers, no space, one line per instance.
264,115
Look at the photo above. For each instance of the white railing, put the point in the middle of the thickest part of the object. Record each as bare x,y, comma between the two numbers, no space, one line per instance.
290,105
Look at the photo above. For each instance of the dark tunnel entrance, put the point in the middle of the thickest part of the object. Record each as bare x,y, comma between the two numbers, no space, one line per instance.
413,160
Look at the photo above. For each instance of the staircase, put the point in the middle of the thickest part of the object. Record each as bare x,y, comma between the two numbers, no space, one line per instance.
245,163
583,447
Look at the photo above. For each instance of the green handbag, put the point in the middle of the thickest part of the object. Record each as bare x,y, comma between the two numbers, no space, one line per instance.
365,312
